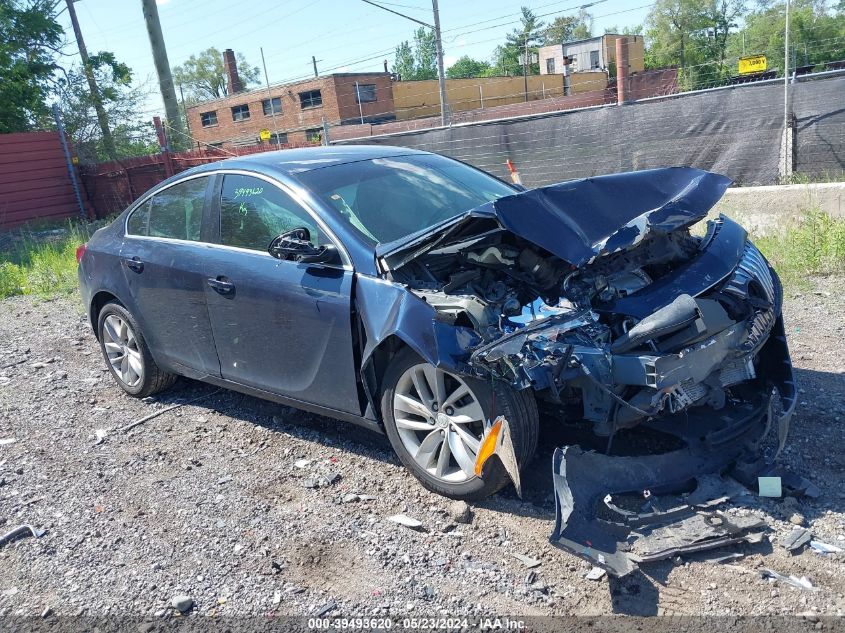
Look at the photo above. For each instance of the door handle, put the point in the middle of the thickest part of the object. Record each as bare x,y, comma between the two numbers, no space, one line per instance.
134,264
221,285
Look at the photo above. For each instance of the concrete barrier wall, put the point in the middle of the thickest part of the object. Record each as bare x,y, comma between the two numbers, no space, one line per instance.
766,209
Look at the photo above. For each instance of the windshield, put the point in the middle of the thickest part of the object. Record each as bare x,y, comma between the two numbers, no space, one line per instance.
386,199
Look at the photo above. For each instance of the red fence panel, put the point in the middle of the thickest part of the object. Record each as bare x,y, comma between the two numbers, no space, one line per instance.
114,185
34,181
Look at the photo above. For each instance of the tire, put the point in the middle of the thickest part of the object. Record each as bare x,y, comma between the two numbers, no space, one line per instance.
141,377
406,376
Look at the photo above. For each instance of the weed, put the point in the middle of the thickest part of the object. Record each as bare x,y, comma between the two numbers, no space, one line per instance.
814,245
41,262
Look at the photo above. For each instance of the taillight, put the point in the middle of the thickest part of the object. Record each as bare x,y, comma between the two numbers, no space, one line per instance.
80,251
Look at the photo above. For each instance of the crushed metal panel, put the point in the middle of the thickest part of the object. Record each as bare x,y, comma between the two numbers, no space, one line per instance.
582,219
387,309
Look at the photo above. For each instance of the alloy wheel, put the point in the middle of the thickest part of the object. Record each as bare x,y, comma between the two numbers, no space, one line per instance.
122,350
440,422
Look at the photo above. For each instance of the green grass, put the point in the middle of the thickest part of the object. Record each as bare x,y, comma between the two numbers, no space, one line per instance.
41,263
813,246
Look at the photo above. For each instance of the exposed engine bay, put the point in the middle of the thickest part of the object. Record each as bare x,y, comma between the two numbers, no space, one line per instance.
597,295
580,337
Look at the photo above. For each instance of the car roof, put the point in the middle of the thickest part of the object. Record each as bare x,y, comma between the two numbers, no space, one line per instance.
294,161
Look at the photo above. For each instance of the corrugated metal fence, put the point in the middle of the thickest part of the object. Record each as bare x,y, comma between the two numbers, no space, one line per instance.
114,185
34,179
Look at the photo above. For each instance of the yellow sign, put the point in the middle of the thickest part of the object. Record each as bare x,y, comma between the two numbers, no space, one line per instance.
264,134
752,64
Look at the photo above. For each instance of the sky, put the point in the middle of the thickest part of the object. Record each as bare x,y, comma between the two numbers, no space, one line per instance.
344,35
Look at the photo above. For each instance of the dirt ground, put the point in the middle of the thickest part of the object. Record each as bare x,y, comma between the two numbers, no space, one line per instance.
211,501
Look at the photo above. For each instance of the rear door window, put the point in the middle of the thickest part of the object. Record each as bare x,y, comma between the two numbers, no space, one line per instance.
254,211
175,212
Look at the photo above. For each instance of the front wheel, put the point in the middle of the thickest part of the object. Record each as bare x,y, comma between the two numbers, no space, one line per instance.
435,421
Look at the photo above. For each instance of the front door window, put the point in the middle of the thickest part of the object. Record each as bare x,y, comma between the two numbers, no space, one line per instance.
254,211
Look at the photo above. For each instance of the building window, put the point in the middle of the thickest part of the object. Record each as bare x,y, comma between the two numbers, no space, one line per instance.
310,99
240,112
272,106
594,60
550,65
208,118
366,93
314,135
279,138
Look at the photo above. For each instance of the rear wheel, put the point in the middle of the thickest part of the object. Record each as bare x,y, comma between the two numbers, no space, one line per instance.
435,421
127,355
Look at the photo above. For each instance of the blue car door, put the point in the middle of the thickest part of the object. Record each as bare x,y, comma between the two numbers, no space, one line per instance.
279,326
162,263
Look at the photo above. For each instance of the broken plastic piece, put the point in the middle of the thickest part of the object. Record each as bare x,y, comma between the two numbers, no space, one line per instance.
529,562
19,531
596,573
769,486
591,525
794,581
497,441
824,548
796,539
405,520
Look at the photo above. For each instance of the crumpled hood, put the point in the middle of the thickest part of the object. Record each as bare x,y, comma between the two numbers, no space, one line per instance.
579,220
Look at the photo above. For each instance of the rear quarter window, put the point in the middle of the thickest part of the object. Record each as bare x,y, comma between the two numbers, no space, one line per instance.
175,212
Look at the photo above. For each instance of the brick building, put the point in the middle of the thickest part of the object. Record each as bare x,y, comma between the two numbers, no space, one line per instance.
595,53
294,112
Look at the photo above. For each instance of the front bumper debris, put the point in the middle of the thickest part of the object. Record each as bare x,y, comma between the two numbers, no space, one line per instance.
617,512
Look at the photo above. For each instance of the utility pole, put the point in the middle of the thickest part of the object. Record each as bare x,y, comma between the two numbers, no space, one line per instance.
165,81
269,95
786,71
525,68
438,41
785,169
441,73
185,112
102,118
314,61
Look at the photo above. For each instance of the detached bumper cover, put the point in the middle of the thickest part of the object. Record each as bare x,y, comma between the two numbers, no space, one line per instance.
591,524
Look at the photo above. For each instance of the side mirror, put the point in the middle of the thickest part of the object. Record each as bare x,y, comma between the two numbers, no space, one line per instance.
296,246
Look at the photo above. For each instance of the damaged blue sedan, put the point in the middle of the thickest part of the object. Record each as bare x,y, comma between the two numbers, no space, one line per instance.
421,297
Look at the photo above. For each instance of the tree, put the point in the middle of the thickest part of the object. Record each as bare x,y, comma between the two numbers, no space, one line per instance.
132,135
560,30
569,28
720,17
29,39
815,34
417,62
203,76
690,34
526,37
466,67
670,26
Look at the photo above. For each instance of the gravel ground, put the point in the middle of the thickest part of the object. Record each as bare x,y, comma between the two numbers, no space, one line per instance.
212,502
